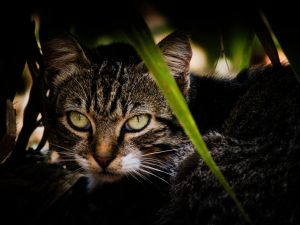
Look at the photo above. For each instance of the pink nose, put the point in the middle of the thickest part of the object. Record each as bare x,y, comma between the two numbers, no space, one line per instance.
103,161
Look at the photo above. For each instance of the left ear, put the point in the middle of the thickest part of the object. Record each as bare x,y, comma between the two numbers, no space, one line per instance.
63,56
177,52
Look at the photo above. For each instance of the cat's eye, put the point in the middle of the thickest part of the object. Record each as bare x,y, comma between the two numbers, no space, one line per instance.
79,121
137,123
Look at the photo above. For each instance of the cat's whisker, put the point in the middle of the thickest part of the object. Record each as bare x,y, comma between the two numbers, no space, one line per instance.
70,155
66,155
160,152
62,156
152,168
142,176
82,161
74,174
152,163
154,160
132,174
146,171
79,170
58,146
67,160
155,167
155,164
65,152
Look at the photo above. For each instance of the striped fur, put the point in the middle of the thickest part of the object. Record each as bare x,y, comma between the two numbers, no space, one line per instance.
110,85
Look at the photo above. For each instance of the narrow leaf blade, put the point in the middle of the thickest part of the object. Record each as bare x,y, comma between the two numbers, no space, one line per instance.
140,37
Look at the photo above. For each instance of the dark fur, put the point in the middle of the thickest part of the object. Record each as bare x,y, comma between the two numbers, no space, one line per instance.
258,152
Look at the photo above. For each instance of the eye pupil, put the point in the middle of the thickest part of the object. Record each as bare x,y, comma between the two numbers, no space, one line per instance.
137,123
79,121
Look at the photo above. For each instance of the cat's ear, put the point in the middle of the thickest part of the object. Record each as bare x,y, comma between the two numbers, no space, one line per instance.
176,49
63,57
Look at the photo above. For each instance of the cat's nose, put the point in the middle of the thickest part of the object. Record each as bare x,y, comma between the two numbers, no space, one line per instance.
103,161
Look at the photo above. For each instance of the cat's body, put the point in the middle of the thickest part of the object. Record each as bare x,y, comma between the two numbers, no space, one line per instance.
211,99
258,150
108,120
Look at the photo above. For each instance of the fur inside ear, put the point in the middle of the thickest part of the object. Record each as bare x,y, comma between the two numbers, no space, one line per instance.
177,52
63,56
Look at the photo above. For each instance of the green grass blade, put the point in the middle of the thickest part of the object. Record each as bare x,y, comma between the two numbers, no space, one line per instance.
140,37
284,37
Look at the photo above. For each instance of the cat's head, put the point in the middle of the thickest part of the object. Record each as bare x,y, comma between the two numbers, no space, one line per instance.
106,117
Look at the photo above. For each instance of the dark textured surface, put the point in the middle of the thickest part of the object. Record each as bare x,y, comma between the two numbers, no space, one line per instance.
28,189
258,152
126,202
37,193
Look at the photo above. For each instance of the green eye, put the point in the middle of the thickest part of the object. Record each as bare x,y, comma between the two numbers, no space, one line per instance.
137,123
79,121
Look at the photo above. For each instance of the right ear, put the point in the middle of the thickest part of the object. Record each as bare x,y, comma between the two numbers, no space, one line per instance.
63,56
177,52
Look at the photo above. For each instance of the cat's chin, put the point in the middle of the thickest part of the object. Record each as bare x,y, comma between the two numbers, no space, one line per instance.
96,179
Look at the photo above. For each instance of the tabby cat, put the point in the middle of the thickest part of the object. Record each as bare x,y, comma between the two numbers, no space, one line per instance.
106,115
108,120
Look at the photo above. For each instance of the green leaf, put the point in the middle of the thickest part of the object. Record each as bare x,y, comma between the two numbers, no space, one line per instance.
241,47
139,36
283,29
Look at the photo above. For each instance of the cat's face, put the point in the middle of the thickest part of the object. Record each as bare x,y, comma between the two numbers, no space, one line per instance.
106,116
